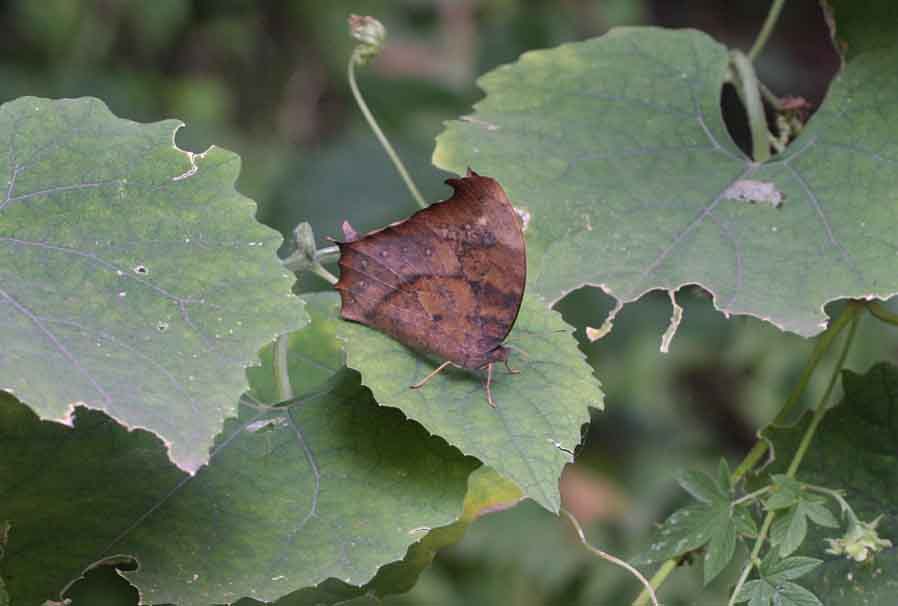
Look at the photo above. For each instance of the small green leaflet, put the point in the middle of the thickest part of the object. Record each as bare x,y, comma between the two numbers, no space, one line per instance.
790,526
775,587
715,524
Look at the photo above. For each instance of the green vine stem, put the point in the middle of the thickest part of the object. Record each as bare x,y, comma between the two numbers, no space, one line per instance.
371,34
321,271
775,102
753,559
329,254
851,312
308,257
756,453
820,348
657,580
608,557
837,496
766,29
747,86
750,496
822,408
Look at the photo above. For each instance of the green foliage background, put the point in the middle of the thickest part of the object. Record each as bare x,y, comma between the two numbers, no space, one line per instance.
266,80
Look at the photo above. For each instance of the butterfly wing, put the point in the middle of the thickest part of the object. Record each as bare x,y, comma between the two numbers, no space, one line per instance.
449,280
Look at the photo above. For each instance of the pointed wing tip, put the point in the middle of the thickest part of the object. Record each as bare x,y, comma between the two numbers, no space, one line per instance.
470,176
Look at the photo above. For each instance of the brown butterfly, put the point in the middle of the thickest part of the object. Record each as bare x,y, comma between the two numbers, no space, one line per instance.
448,280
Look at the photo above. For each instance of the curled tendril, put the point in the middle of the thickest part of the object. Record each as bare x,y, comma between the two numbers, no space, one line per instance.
371,35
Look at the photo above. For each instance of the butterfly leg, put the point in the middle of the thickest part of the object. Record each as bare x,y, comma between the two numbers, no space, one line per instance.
436,371
512,371
489,380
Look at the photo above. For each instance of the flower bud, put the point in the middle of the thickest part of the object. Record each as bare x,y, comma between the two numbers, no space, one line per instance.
860,541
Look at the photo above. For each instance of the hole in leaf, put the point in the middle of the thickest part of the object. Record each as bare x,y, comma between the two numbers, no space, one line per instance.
102,584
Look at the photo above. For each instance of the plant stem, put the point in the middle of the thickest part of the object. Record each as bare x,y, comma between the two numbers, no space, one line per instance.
821,409
319,269
835,495
747,86
766,29
607,556
400,167
327,254
751,459
880,312
820,349
851,312
775,102
752,558
668,567
750,496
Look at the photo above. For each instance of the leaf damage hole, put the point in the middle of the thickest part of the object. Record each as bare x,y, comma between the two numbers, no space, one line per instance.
748,190
141,270
162,326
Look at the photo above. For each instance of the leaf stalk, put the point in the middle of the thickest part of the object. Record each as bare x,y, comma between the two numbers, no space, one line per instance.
657,580
357,57
747,85
769,22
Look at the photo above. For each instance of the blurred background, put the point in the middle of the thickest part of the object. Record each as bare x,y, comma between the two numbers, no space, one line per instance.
267,80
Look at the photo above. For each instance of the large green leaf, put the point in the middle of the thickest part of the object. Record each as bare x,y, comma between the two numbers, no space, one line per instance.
855,449
133,278
531,433
617,149
332,486
488,492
